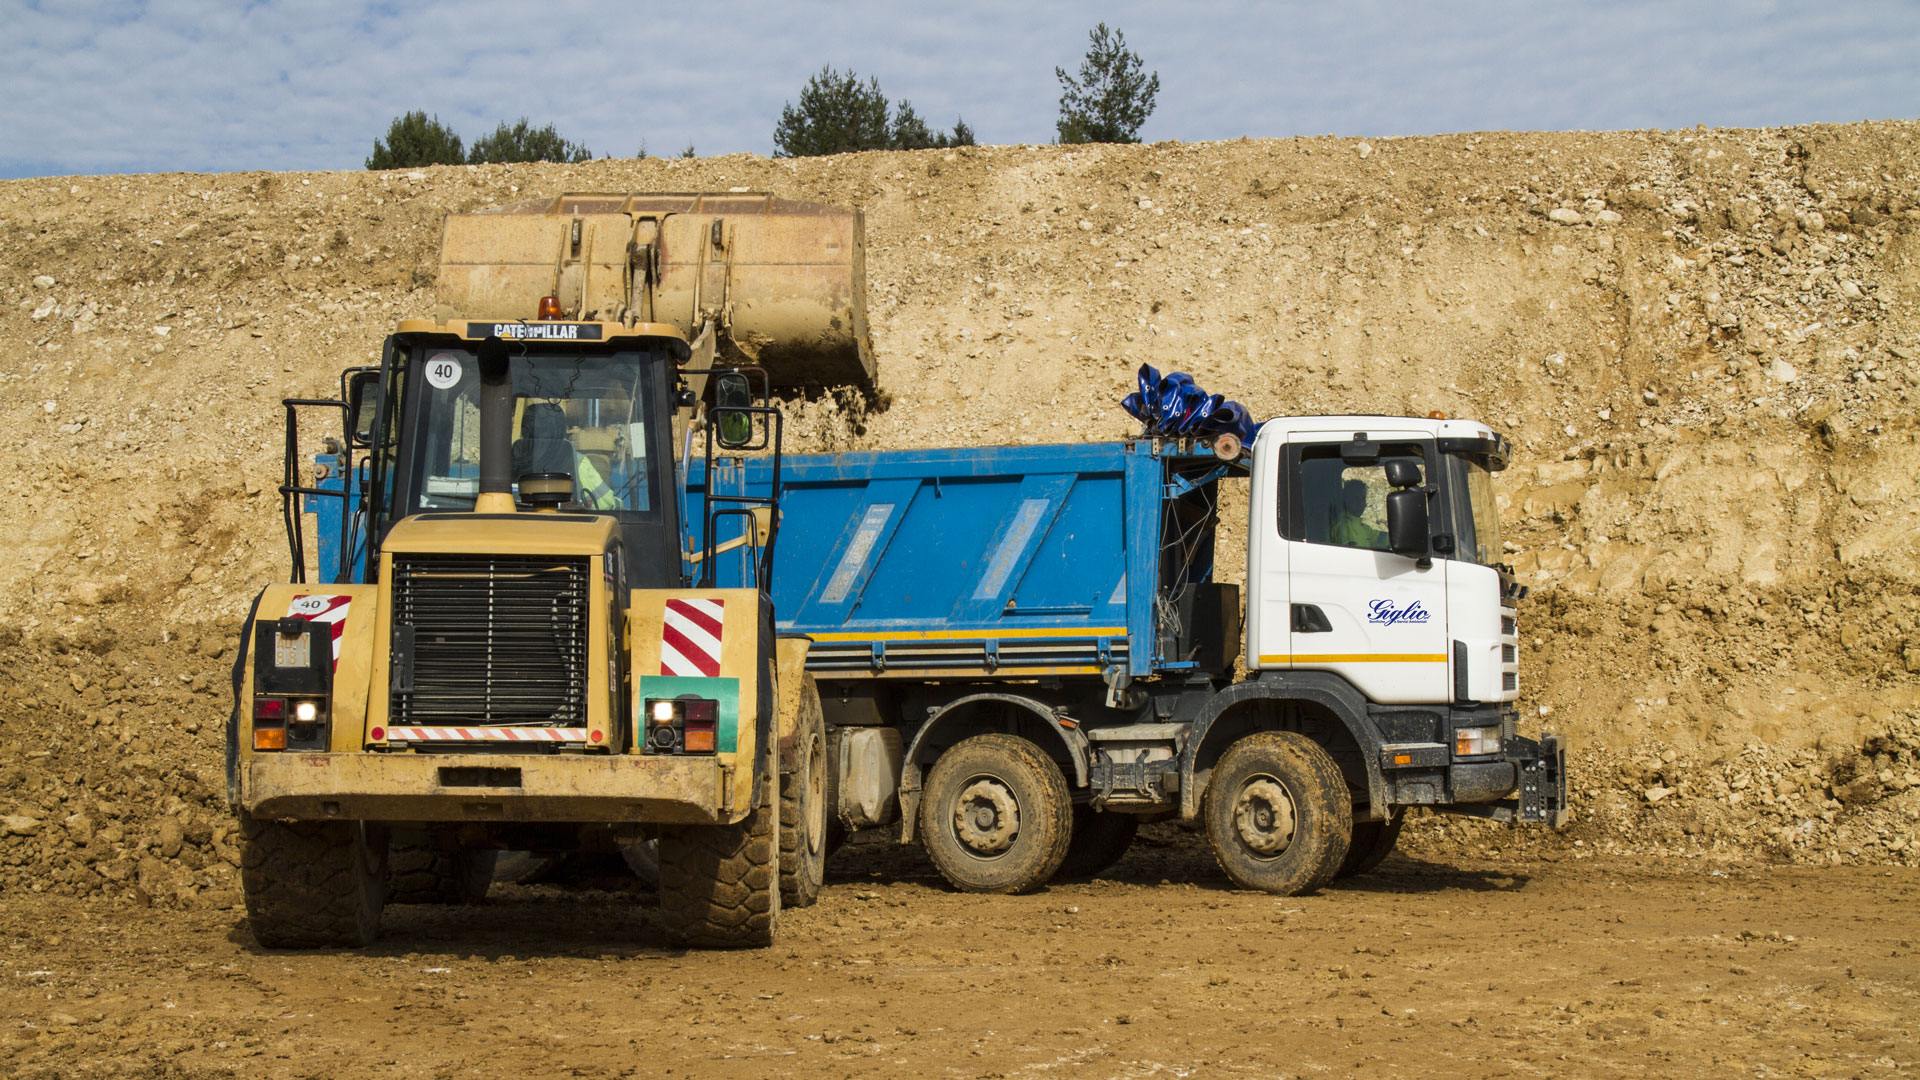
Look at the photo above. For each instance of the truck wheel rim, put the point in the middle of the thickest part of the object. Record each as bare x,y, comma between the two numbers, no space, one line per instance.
1263,816
986,817
816,819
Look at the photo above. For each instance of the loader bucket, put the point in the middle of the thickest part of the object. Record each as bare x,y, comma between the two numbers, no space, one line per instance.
781,282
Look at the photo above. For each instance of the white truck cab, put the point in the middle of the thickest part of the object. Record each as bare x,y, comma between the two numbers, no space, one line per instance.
1433,622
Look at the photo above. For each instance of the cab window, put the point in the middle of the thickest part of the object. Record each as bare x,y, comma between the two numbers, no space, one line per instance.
1339,503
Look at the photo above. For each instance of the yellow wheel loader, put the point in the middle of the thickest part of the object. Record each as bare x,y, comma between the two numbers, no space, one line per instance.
499,642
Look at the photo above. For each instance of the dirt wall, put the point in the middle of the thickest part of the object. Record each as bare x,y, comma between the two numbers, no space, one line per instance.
1704,344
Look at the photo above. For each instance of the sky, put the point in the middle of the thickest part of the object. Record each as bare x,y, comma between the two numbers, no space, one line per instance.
112,86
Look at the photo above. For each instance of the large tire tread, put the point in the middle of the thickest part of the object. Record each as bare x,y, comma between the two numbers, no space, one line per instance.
1372,842
310,884
424,874
1046,826
1099,840
719,884
803,867
1322,802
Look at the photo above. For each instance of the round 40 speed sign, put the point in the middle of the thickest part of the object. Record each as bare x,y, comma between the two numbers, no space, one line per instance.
443,371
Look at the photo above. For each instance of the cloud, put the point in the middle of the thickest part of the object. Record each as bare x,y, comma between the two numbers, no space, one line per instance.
142,85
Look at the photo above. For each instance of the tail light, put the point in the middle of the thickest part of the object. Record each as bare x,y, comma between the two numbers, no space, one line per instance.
292,684
682,725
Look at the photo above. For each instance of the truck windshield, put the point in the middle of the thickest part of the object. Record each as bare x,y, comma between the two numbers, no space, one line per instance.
582,415
1479,523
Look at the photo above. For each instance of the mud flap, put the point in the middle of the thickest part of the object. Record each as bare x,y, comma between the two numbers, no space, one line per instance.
1543,782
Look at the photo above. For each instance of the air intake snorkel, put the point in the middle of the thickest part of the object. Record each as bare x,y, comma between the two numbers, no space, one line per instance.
496,429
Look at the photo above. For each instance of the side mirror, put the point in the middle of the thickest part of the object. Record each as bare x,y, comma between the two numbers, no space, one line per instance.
1402,473
1407,523
733,428
363,405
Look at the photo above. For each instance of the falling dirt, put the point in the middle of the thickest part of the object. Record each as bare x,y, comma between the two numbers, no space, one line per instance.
1703,342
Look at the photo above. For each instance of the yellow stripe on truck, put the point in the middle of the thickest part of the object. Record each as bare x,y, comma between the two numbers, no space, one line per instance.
1356,658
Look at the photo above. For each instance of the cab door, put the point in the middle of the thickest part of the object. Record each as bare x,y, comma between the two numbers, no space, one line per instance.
1357,609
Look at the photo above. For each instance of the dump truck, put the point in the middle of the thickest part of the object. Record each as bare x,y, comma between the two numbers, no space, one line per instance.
1024,652
505,646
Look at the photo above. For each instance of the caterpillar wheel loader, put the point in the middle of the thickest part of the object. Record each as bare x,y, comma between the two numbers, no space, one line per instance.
505,646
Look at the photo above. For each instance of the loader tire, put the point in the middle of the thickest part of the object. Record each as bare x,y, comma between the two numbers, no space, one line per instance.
312,884
804,811
1099,840
720,884
1278,813
996,816
419,873
1372,842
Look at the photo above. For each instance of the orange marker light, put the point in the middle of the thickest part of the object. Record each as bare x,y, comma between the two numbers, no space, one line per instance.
698,741
270,738
550,308
1403,759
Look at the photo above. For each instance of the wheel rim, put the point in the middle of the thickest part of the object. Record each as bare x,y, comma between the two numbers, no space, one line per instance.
1263,816
816,806
986,817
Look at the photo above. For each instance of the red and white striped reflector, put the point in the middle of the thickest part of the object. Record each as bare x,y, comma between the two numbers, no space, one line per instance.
486,734
323,609
690,637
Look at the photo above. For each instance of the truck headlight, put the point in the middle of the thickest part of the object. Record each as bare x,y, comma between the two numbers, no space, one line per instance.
1470,741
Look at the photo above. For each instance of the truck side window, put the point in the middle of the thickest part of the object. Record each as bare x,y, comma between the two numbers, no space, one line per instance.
1336,503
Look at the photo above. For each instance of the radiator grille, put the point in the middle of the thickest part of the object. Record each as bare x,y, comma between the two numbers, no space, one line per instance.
1509,654
490,640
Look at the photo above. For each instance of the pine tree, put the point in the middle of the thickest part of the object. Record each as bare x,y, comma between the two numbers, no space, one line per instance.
413,140
521,141
839,114
1111,98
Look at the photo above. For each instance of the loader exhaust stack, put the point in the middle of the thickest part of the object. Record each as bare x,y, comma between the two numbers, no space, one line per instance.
496,429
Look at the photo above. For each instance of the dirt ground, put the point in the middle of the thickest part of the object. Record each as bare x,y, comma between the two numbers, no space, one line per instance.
1465,968
1704,344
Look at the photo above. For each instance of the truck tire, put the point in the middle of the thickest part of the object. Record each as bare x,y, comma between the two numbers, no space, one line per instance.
720,884
1278,813
996,816
312,884
803,808
1372,842
1099,840
420,873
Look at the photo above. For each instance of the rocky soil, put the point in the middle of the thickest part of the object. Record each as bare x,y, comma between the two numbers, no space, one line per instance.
1468,968
1704,343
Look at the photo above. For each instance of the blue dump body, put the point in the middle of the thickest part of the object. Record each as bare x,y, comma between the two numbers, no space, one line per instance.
1008,560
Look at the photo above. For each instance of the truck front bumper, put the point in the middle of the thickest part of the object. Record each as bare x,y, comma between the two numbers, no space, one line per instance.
489,787
1527,782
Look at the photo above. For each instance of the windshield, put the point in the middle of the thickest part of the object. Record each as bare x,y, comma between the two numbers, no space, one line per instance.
584,416
1480,524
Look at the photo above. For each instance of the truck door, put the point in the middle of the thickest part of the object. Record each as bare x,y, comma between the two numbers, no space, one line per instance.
1375,617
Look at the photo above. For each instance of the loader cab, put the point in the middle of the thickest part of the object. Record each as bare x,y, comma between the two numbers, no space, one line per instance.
590,434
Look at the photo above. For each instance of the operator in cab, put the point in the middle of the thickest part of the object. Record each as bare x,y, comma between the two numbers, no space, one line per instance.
1349,528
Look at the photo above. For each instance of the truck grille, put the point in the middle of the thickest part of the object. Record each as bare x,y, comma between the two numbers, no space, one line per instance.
490,640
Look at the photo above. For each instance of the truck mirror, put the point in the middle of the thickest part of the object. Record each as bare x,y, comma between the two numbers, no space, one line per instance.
733,429
1361,451
1402,473
1407,523
363,404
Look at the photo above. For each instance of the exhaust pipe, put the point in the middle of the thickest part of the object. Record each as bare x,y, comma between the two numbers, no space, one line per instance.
496,430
